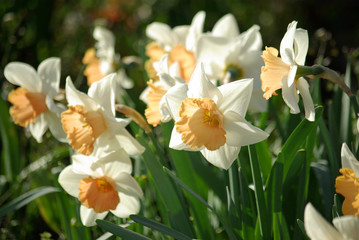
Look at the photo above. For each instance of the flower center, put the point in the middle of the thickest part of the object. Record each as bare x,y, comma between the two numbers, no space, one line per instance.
27,106
273,71
99,194
82,127
201,124
92,71
348,186
154,97
234,71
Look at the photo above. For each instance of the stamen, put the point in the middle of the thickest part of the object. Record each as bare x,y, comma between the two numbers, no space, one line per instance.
99,194
27,106
235,72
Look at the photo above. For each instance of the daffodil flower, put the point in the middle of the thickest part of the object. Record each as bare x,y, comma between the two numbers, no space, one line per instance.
103,60
90,121
228,59
157,111
281,72
317,228
179,43
102,184
33,104
210,119
226,27
348,183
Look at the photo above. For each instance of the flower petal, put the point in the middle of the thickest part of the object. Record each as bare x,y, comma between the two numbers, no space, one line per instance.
286,45
89,216
177,143
114,163
125,183
251,40
236,96
174,98
49,71
226,27
303,89
55,126
290,96
195,30
69,181
349,160
348,226
222,157
301,44
38,127
102,92
128,205
24,75
129,143
161,33
200,87
239,132
317,227
75,97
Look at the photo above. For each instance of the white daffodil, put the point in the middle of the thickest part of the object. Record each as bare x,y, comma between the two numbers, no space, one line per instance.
102,184
157,110
317,228
103,60
281,72
33,104
211,119
348,183
90,121
228,59
179,43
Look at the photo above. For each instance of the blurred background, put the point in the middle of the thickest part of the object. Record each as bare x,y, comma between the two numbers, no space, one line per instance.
33,30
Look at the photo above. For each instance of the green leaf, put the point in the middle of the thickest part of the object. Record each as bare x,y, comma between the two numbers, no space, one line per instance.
25,199
159,227
119,231
297,139
302,228
10,144
259,193
229,231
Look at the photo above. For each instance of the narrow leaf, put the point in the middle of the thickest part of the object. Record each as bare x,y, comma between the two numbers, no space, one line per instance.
119,231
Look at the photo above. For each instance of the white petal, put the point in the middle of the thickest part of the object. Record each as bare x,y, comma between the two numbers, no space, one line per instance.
222,157
181,33
49,71
226,26
317,227
69,181
123,80
287,43
104,36
212,52
128,205
89,216
114,163
102,92
38,127
161,33
195,31
200,87
143,95
349,160
290,96
239,132
174,98
291,75
303,89
75,97
251,40
55,126
236,96
24,75
82,164
301,44
129,143
348,226
126,184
